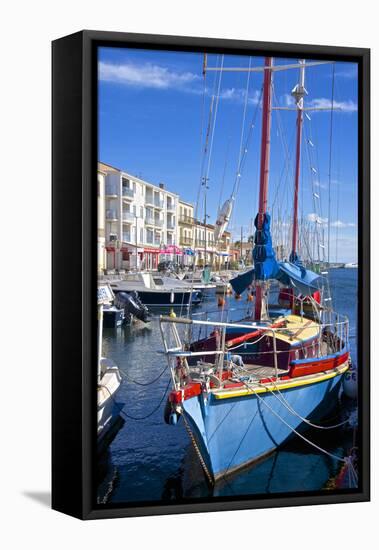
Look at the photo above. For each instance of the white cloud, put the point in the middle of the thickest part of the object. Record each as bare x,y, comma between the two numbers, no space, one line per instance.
145,76
320,185
348,106
324,103
348,72
162,78
238,94
339,223
313,217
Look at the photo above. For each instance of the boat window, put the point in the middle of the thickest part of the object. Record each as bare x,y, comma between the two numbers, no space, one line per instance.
158,281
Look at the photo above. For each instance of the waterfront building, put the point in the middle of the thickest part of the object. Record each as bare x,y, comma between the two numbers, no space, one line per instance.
140,220
186,223
101,251
207,252
198,242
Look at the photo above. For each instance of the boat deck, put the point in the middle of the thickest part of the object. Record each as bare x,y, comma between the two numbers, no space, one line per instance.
297,330
262,372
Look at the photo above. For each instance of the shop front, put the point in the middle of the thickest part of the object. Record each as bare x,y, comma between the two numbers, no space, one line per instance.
150,258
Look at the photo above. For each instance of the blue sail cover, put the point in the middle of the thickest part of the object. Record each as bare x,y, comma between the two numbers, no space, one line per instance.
295,275
265,264
267,267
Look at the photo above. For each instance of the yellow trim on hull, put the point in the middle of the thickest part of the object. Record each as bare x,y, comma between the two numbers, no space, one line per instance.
284,385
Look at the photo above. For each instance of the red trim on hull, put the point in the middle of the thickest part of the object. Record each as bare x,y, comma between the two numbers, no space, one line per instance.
190,390
319,365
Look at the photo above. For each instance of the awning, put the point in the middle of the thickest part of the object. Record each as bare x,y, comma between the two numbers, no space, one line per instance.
151,250
171,249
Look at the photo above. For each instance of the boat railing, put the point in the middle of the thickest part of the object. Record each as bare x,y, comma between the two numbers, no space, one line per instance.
176,337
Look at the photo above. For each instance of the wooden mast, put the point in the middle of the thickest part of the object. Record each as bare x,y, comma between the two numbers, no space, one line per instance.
264,169
298,93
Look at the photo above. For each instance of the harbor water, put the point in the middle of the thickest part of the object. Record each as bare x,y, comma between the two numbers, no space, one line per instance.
150,461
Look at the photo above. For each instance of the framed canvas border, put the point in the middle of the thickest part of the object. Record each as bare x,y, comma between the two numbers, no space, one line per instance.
74,269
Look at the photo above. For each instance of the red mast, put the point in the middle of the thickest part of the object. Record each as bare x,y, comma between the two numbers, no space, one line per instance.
265,165
298,93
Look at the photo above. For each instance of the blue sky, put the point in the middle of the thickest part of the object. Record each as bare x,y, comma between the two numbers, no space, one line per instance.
154,104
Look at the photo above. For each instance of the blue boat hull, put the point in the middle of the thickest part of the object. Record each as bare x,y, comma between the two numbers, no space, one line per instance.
235,432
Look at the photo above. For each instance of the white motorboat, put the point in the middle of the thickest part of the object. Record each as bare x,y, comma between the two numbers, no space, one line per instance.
157,290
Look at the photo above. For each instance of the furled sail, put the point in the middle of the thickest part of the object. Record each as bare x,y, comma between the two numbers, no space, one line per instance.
223,218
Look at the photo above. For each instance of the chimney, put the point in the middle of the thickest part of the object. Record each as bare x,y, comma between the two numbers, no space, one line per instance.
161,185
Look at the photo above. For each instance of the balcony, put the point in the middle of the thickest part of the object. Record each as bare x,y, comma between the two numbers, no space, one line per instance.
185,241
186,219
126,237
150,220
111,191
111,215
153,201
128,217
170,207
170,225
127,193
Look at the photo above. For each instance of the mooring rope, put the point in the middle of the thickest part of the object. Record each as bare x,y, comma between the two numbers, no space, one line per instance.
344,460
136,418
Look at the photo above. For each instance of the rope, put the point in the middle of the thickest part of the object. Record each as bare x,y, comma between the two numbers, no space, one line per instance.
129,416
142,383
285,403
344,460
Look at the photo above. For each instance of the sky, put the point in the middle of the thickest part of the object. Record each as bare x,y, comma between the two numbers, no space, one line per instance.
154,109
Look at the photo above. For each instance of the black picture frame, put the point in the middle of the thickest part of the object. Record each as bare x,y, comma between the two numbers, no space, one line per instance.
74,334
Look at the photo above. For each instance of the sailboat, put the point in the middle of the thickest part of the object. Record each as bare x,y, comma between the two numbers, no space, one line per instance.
243,389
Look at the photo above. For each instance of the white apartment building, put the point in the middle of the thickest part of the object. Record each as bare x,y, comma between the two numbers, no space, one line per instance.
140,220
101,251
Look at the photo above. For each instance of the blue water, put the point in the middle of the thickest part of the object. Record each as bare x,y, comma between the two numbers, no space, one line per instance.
151,461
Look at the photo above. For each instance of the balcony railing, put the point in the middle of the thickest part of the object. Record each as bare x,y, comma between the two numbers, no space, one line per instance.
150,200
111,191
127,192
153,240
111,215
170,207
186,219
185,241
170,225
150,220
128,217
